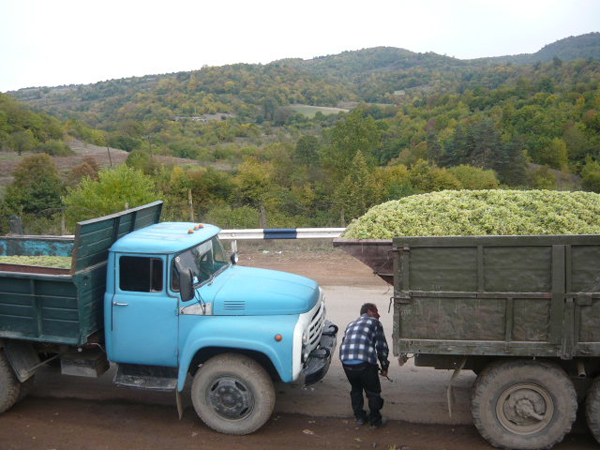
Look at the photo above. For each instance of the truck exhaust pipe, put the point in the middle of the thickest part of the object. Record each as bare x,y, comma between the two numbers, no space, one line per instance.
581,369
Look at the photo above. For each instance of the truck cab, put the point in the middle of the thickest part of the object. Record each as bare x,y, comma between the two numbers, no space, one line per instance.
176,302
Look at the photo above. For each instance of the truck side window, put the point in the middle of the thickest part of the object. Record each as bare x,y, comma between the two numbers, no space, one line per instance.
140,274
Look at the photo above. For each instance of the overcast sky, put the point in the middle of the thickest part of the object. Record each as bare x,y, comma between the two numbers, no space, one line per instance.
61,42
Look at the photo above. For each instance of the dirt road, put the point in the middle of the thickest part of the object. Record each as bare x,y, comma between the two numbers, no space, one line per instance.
76,413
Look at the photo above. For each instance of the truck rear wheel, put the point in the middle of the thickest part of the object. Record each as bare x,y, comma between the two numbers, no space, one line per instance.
521,404
592,409
10,388
233,394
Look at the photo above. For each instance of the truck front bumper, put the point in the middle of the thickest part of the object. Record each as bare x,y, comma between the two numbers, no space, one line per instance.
319,359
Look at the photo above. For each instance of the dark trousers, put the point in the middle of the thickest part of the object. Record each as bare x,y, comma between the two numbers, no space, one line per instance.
364,378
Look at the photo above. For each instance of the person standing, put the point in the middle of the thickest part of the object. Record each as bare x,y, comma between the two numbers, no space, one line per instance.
363,347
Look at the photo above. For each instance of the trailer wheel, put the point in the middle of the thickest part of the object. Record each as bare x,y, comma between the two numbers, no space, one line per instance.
592,409
10,388
520,404
233,394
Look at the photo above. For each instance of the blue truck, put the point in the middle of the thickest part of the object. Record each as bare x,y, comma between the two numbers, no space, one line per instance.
165,303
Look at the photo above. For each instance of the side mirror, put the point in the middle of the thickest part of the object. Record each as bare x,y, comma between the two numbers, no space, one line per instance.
234,253
186,285
234,258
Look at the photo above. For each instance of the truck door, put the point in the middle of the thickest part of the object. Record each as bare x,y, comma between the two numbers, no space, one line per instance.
144,317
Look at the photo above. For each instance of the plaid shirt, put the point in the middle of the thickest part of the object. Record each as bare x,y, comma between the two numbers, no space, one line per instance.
364,341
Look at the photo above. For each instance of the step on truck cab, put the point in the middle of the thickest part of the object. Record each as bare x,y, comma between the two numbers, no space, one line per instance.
163,301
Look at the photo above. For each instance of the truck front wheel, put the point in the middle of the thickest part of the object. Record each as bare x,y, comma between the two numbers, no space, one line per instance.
10,388
233,394
521,404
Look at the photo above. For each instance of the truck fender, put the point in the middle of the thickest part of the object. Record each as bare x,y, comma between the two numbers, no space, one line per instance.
249,335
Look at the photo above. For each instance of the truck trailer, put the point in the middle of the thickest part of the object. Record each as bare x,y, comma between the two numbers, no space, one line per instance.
522,312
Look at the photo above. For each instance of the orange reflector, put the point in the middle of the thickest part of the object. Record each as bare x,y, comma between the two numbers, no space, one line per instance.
278,337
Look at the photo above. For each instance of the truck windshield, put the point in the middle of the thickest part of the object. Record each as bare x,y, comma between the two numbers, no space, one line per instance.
205,261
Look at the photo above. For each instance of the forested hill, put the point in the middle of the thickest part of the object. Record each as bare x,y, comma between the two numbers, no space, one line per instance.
317,142
215,113
353,69
586,46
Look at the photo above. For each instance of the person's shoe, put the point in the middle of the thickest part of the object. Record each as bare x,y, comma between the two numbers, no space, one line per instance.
360,421
379,424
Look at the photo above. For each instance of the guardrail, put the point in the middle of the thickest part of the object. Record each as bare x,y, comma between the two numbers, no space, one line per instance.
282,233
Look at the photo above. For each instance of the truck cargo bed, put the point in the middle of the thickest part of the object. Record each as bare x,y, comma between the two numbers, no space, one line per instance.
375,253
491,295
63,306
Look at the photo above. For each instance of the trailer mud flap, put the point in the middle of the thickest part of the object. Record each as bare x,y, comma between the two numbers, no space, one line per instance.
23,359
450,389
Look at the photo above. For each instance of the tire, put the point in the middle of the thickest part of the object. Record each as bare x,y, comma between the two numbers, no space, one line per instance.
592,409
523,405
233,394
10,388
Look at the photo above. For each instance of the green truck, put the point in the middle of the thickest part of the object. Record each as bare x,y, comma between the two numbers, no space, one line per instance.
522,312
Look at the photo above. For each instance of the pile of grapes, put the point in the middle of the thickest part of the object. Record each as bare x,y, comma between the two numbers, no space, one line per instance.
481,212
59,262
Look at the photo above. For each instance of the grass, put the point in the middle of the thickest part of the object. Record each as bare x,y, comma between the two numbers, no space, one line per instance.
311,111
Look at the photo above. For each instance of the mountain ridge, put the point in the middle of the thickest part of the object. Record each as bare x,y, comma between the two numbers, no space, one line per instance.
385,58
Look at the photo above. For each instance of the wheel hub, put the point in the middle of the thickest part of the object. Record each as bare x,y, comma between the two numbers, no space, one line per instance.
230,398
525,408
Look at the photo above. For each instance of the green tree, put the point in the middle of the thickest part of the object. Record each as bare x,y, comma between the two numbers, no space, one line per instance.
141,160
210,187
354,133
358,191
590,175
226,216
114,190
306,151
544,178
479,143
22,141
36,188
578,144
426,177
253,182
554,155
396,181
475,177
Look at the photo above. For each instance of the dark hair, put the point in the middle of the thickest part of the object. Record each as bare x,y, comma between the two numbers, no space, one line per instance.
366,307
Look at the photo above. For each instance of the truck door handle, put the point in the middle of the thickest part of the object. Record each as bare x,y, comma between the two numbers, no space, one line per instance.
120,304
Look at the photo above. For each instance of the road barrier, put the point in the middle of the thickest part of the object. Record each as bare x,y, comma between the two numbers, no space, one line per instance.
282,233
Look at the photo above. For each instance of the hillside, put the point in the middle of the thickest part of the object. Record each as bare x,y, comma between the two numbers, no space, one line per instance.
317,142
104,156
321,81
543,105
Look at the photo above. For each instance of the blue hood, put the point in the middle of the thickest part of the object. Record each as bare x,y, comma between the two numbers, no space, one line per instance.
251,291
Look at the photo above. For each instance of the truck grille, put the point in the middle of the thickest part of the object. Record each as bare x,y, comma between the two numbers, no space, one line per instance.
315,328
